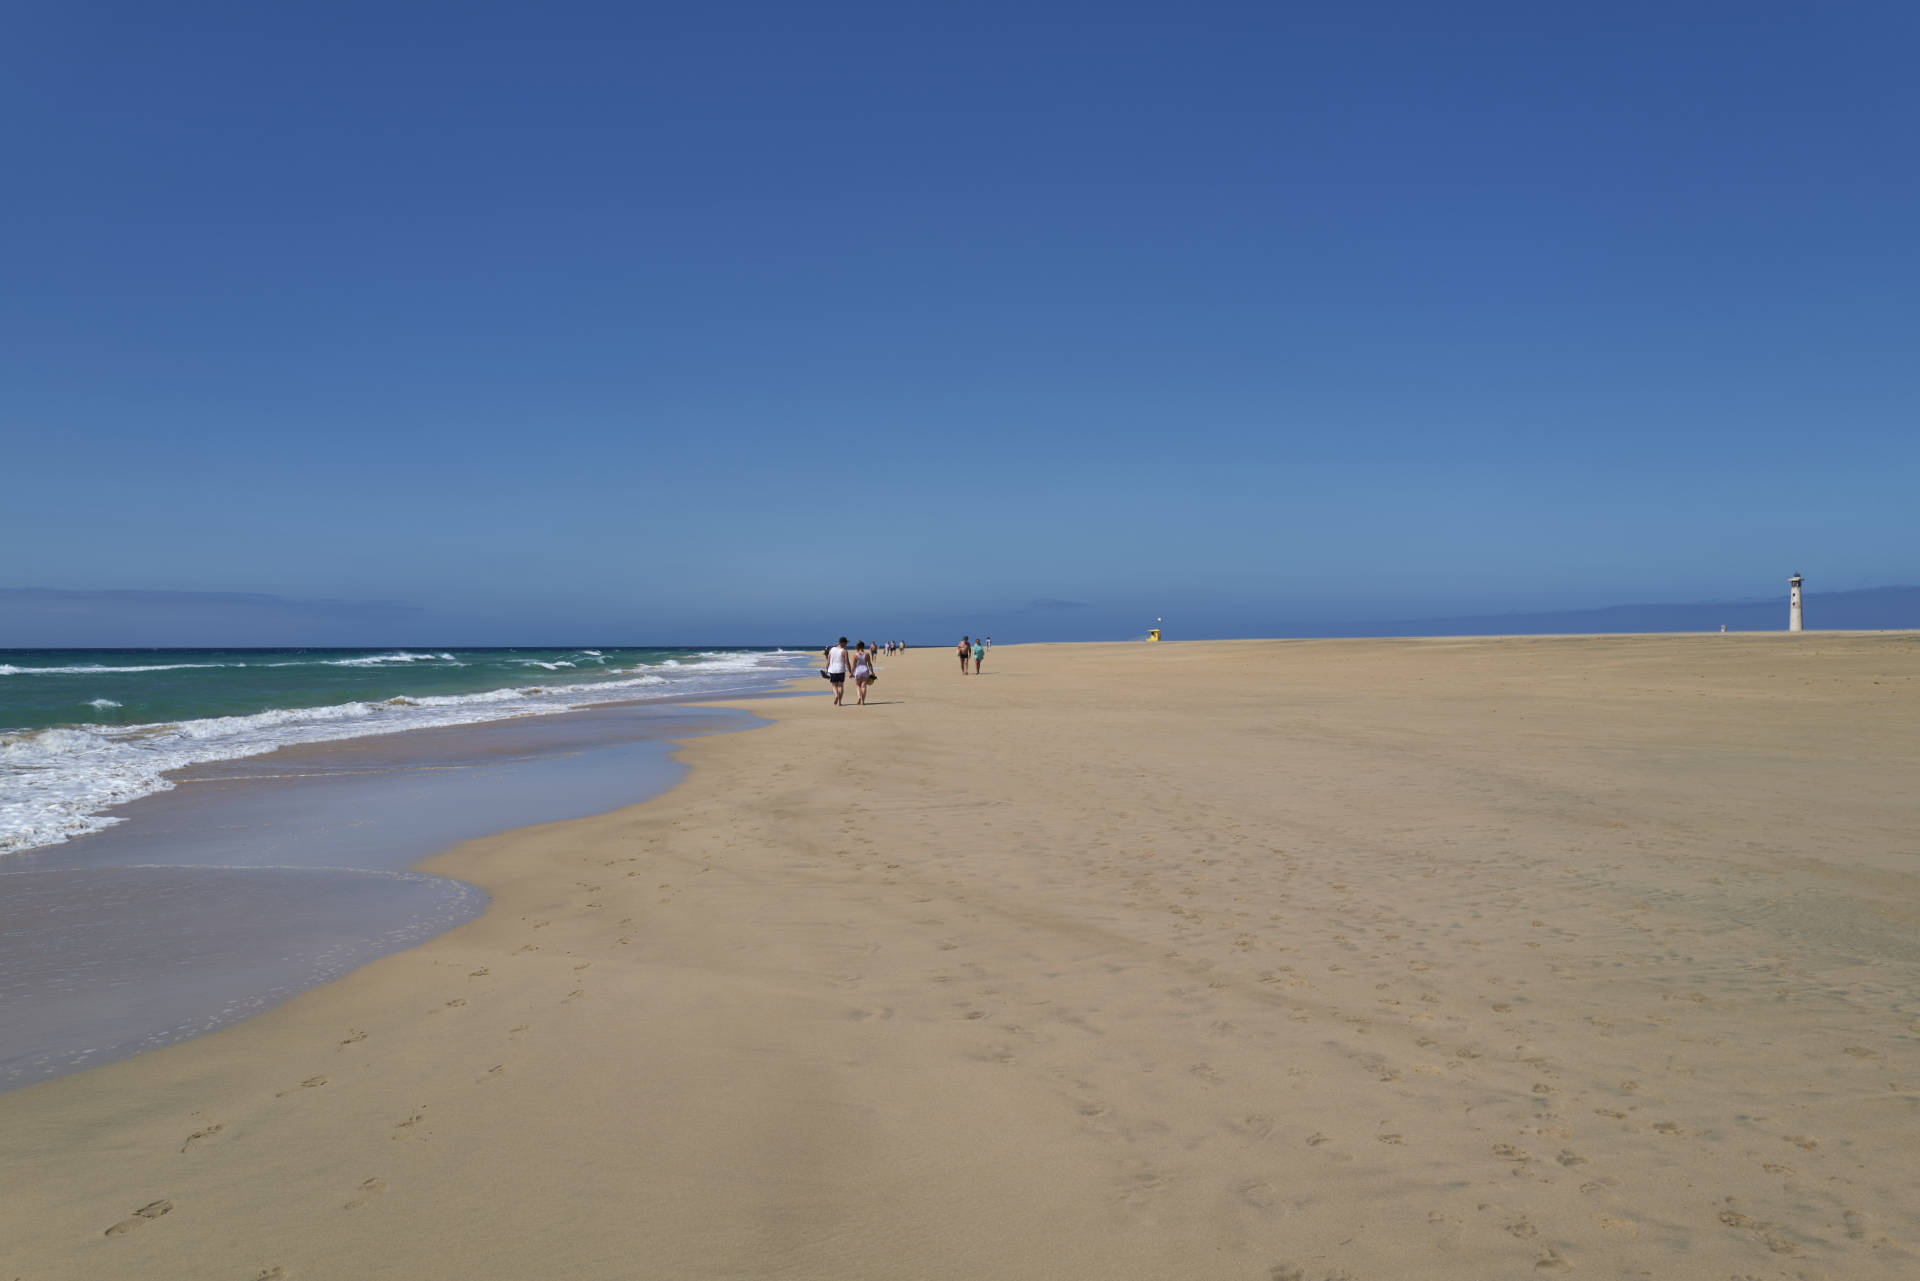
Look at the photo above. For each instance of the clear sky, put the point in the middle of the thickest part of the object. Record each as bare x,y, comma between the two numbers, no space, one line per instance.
648,323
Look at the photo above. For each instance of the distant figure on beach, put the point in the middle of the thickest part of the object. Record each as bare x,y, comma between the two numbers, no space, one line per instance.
862,672
837,669
966,653
979,656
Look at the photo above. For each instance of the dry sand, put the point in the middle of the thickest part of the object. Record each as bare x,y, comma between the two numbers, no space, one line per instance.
1268,960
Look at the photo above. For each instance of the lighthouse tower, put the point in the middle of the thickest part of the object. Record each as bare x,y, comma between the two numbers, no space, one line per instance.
1793,604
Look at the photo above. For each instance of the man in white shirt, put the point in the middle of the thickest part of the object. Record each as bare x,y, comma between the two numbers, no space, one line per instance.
837,670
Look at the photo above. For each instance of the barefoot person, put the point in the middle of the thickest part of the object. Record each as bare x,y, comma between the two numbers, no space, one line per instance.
979,656
837,670
966,654
862,672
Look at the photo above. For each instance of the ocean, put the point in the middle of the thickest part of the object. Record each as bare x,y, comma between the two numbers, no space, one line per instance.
82,731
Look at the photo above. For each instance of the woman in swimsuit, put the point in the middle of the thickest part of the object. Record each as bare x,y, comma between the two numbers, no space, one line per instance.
862,672
966,654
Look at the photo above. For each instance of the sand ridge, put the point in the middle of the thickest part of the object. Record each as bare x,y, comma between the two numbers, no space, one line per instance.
1288,961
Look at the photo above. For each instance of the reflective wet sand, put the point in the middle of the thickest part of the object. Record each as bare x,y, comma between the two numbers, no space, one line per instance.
256,879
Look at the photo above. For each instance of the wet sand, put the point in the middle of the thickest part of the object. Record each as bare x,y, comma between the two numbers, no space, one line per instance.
258,878
1283,961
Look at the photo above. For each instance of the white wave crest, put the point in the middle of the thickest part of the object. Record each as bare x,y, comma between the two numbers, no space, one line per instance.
103,702
381,660
54,783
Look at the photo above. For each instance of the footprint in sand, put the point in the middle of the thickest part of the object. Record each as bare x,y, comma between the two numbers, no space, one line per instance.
311,1083
369,1189
456,1002
145,1214
355,1035
480,973
1254,1125
1508,1152
1259,1194
197,1135
272,1274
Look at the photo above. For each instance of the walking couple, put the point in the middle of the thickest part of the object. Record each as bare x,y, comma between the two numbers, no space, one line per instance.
859,661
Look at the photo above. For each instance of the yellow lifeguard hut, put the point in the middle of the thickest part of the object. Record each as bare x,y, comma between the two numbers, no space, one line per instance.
1153,633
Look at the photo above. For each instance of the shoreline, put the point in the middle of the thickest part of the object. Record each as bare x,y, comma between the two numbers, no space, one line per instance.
250,880
1221,959
62,777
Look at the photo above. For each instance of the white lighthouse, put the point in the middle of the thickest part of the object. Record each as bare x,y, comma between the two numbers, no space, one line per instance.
1793,604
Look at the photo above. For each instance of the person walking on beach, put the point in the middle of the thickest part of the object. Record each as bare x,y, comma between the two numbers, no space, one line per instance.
979,656
862,672
966,654
837,670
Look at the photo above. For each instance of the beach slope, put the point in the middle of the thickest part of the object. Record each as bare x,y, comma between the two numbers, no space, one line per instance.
1284,961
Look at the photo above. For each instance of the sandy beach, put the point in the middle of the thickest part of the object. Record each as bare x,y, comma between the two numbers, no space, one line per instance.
1283,961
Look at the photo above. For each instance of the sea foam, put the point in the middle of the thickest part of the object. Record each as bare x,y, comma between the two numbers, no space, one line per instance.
54,783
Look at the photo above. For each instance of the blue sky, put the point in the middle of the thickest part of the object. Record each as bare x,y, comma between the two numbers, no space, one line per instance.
752,322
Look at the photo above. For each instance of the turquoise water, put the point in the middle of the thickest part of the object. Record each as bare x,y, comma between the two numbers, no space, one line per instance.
42,688
84,730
